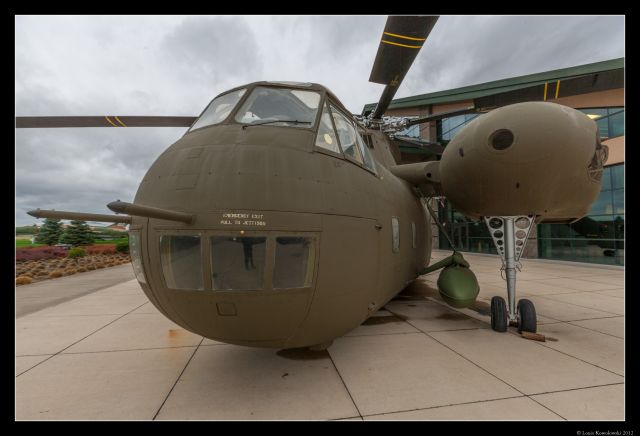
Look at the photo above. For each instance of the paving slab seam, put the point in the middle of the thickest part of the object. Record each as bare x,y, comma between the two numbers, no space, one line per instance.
566,354
594,330
446,405
177,380
344,384
577,305
556,321
578,389
82,339
131,349
490,373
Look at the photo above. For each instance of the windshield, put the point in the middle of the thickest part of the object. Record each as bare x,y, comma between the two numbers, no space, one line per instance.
218,109
279,107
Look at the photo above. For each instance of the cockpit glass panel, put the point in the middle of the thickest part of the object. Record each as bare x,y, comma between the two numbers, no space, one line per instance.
237,263
366,154
326,135
280,107
218,109
347,135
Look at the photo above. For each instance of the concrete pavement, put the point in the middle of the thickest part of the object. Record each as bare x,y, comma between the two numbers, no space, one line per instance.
110,355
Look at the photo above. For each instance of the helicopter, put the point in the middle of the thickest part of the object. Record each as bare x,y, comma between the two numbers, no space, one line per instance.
279,219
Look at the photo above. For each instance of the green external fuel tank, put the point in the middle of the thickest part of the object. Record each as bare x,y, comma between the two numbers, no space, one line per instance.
457,284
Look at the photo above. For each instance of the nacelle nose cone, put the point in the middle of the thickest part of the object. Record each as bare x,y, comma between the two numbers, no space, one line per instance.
458,286
526,158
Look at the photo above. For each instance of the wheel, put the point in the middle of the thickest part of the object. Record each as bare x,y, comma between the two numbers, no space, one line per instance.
498,314
527,320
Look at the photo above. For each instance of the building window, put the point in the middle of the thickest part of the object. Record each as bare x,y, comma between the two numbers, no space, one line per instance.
181,260
237,263
610,120
596,238
294,262
447,128
395,237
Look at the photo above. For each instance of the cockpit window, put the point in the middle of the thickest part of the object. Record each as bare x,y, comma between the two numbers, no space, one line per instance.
368,159
326,137
280,107
218,109
347,136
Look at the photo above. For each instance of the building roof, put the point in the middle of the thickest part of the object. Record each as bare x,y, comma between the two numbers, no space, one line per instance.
500,86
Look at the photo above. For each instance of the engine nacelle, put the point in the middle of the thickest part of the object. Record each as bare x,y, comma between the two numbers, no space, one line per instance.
531,158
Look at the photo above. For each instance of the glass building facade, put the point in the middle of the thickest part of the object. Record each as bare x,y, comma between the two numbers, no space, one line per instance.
596,238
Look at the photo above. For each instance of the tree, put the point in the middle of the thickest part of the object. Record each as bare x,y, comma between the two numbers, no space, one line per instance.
50,232
77,233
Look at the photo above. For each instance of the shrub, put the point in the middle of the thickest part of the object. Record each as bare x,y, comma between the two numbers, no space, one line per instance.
91,267
99,265
55,274
82,269
23,280
76,252
122,247
39,253
102,249
69,272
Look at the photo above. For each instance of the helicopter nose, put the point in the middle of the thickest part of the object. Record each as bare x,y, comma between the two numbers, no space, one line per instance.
241,287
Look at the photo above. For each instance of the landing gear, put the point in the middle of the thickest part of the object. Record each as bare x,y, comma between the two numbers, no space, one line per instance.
499,314
526,316
509,234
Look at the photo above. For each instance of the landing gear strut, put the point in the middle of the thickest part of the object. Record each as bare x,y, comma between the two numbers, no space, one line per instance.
509,234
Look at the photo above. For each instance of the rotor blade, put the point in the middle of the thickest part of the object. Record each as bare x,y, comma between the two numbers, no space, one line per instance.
552,90
103,121
441,115
431,147
402,39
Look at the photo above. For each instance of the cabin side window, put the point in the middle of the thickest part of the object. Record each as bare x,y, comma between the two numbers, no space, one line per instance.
181,259
218,109
136,259
346,136
326,135
413,234
294,262
395,234
238,263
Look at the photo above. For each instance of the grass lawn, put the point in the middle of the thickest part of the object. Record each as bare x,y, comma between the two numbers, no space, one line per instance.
26,243
22,243
112,241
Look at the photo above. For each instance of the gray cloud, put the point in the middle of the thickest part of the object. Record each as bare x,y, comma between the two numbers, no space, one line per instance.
174,65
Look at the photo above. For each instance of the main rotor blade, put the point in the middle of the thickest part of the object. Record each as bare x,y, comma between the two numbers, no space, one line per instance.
441,115
103,121
402,39
554,89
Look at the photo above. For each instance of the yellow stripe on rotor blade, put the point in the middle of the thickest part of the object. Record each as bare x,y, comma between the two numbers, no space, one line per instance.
401,45
110,122
118,120
557,88
545,91
405,37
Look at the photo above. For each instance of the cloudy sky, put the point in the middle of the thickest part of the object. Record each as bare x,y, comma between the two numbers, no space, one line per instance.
174,65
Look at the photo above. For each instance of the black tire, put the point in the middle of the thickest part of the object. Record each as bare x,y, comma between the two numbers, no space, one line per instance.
527,320
499,314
